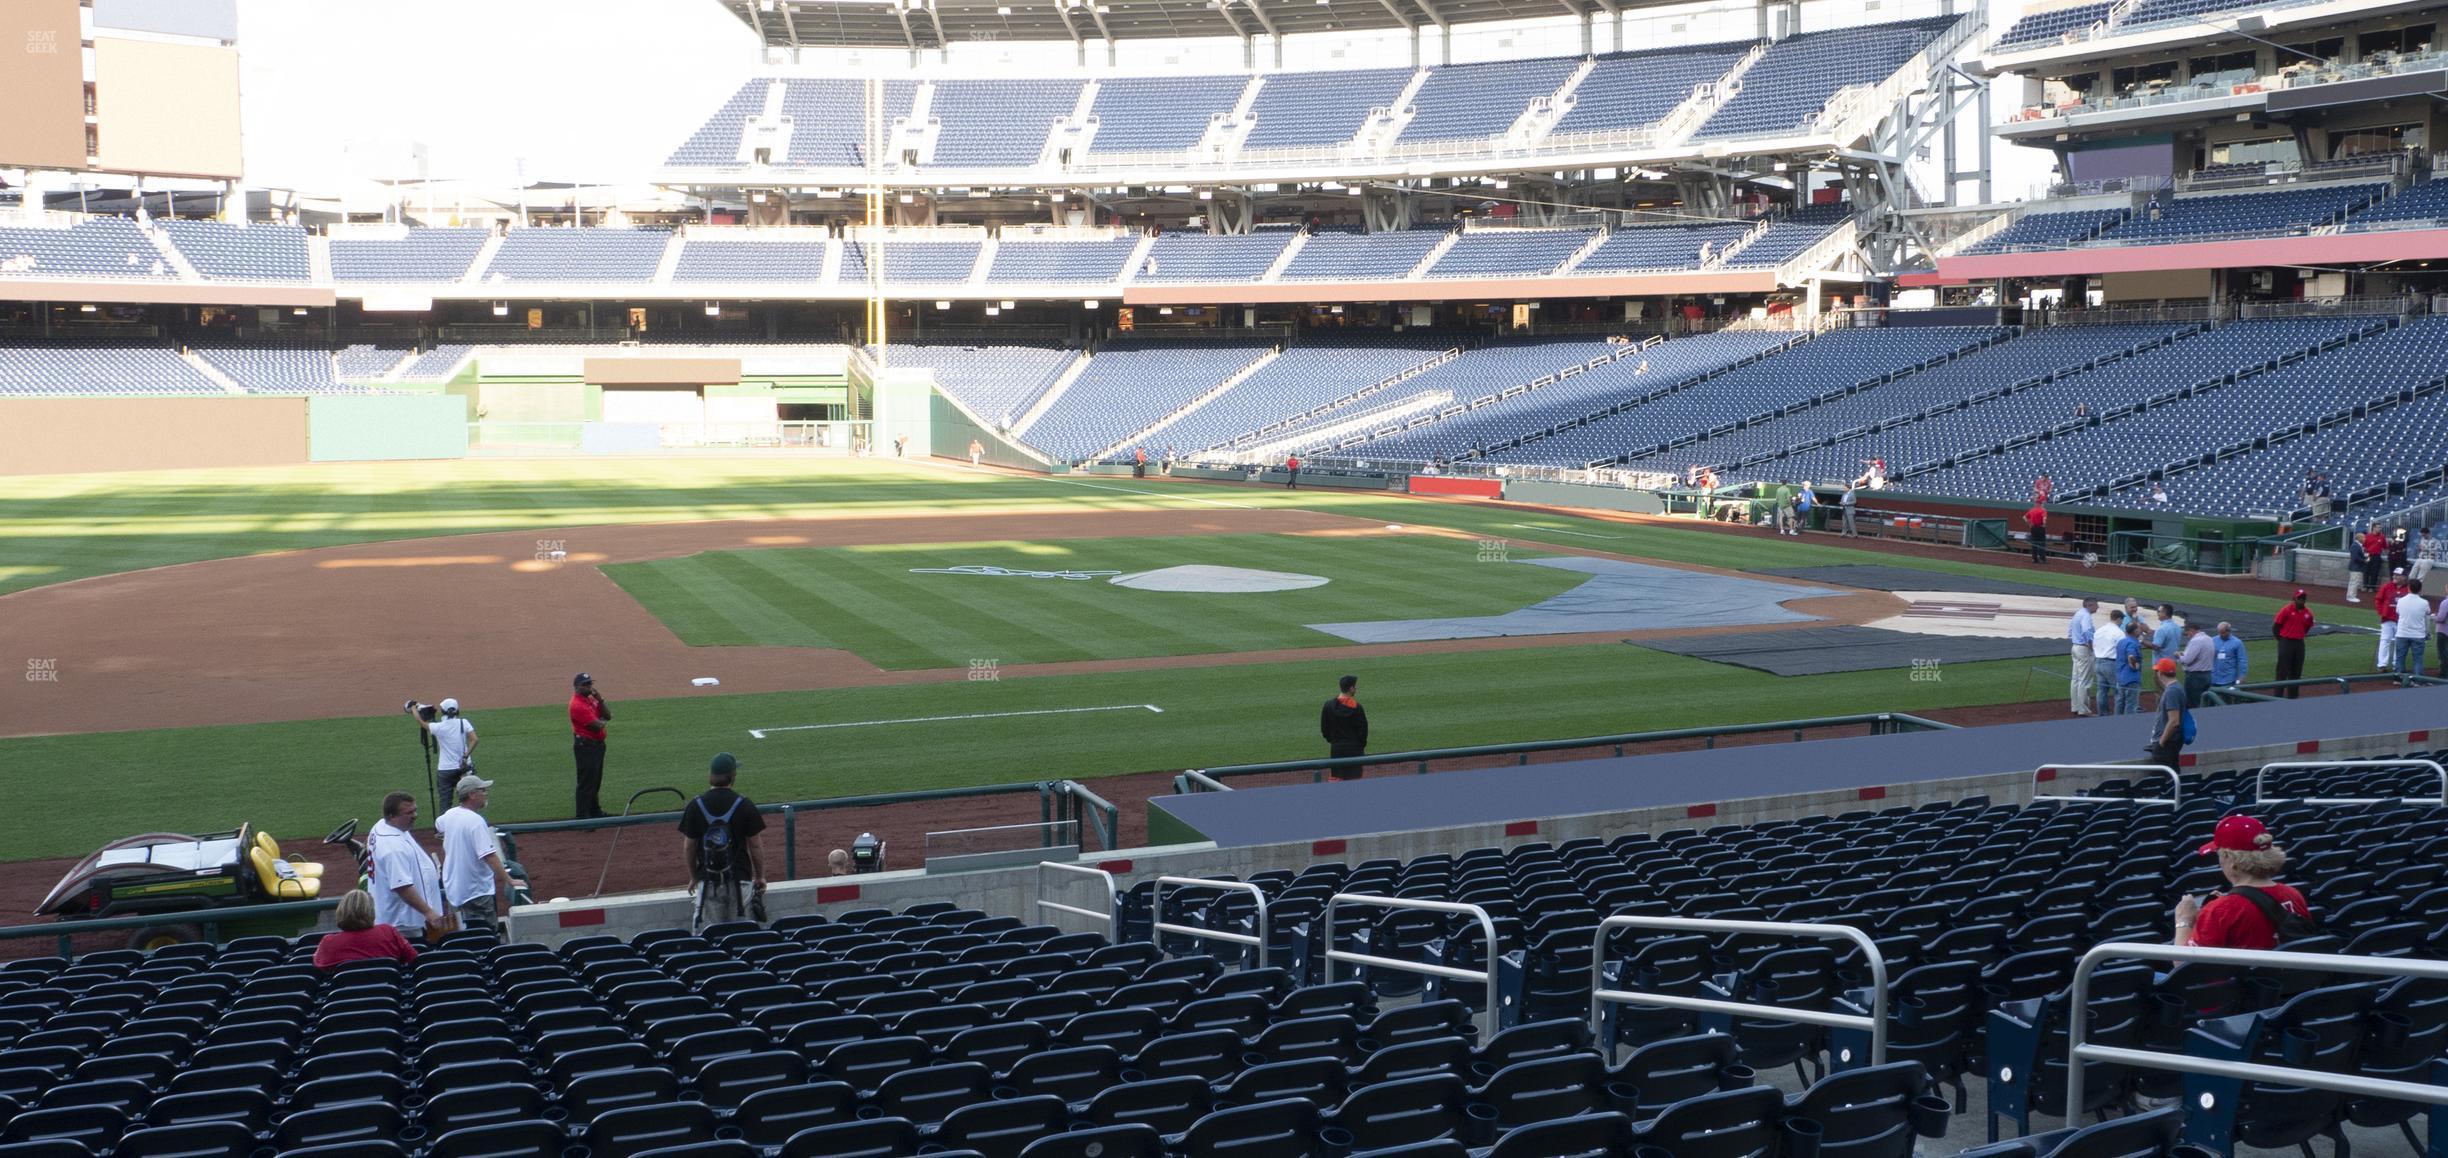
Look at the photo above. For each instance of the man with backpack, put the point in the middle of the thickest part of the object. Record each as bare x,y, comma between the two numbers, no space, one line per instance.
2256,912
720,833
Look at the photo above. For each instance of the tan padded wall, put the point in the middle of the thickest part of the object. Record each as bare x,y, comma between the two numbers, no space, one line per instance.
42,85
72,435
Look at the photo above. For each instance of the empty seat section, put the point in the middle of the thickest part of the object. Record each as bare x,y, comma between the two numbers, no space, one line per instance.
746,260
254,252
1179,257
997,123
1129,385
1654,247
414,255
1160,114
2046,231
1793,82
717,142
104,247
913,262
1461,102
1503,252
1060,261
1307,109
997,383
2282,212
1330,256
1637,89
628,255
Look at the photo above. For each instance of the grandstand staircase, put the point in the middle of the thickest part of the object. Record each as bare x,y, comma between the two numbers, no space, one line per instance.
318,258
1385,125
484,258
831,274
1722,256
1283,261
1545,111
211,371
1076,132
1684,119
1435,253
1138,259
177,262
1582,254
670,260
1149,432
1053,394
985,260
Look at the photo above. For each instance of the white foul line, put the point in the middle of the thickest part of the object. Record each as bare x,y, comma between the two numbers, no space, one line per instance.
759,733
1561,531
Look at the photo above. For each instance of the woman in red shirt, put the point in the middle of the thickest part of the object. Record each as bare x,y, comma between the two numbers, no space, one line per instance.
2250,860
359,938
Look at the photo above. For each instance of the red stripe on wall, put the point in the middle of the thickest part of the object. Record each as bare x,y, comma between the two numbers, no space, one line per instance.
1115,866
2046,775
1698,811
1876,792
2306,747
1522,828
827,894
581,918
1333,847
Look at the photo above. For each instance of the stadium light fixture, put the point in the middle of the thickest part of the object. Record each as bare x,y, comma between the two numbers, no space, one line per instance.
87,308
1058,196
1002,10
1501,183
1206,194
713,309
1352,190
501,309
993,311
1090,304
943,305
1007,303
298,312
909,199
1165,310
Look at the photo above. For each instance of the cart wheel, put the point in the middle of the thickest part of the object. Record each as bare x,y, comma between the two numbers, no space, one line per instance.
163,936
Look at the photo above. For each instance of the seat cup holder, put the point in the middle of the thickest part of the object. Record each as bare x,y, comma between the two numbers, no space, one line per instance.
2167,1010
1624,1097
1003,1093
727,1133
575,1151
1909,1011
556,1113
1802,1137
412,1132
2298,1045
1651,1152
1736,1076
2390,1029
867,1113
1336,1139
1930,1116
1129,1076
1249,1060
2192,1150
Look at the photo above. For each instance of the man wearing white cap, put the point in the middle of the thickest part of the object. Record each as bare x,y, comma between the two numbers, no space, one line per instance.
454,740
474,884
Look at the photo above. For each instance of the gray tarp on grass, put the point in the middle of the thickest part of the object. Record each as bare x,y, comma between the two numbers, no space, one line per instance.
1618,596
1818,650
2249,623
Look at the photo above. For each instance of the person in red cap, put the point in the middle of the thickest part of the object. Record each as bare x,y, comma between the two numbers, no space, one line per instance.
2249,915
2168,727
2292,623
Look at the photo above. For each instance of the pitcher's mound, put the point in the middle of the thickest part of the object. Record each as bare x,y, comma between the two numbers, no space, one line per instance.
1224,580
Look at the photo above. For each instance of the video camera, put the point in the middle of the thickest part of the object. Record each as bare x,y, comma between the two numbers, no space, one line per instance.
866,854
424,711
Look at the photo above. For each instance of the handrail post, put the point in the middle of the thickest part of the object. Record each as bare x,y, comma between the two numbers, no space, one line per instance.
1876,1022
1487,929
1157,927
1112,916
2078,1050
790,843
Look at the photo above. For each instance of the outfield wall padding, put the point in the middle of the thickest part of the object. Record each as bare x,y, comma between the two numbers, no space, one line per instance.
70,435
1478,488
385,427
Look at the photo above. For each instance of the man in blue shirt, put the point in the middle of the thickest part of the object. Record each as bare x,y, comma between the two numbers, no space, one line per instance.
2229,668
2129,671
2167,636
2078,644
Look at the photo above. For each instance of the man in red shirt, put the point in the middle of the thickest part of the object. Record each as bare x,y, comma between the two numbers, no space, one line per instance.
2037,516
589,716
2375,556
2292,623
2385,602
1292,471
2042,488
2251,861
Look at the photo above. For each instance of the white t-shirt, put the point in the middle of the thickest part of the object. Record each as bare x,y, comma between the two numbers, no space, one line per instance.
399,860
466,838
2105,638
2413,617
451,734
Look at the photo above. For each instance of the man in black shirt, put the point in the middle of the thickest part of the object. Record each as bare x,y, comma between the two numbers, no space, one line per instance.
720,835
1344,724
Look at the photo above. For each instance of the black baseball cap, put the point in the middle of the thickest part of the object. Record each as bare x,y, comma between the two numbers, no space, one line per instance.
581,680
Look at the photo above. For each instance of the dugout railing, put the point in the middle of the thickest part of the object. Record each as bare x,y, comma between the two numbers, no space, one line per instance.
1879,724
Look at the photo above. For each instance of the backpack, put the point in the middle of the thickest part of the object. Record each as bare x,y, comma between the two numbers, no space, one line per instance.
2186,719
715,846
2290,926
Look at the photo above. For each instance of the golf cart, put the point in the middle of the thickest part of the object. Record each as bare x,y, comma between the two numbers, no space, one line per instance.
169,872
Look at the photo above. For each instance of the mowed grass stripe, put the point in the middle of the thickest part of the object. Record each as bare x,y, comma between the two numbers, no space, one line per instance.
877,605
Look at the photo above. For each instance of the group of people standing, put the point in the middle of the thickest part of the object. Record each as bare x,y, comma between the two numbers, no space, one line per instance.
2109,656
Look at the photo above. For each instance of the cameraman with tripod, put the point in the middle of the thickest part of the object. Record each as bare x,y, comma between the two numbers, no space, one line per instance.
451,739
719,833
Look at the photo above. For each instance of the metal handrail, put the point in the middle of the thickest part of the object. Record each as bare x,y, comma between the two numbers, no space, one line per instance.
1487,929
1876,1022
1157,926
2434,765
1196,780
2079,1051
1111,916
2175,783
1085,804
1881,723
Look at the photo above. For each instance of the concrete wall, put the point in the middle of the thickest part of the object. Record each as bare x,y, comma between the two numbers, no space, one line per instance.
378,427
68,435
1017,891
1556,494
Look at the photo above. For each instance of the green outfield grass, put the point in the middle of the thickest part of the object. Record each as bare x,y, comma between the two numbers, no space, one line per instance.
302,777
872,600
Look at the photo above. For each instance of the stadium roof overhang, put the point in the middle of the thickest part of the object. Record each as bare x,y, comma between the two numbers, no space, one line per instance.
928,24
